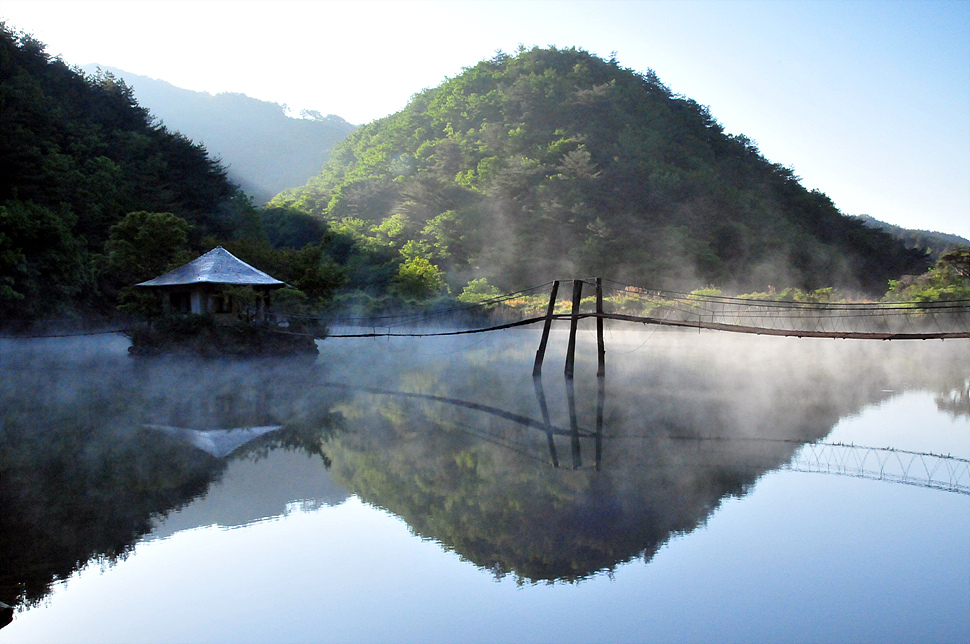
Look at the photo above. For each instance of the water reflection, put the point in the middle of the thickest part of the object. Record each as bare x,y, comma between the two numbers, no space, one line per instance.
615,466
547,480
486,489
253,489
95,447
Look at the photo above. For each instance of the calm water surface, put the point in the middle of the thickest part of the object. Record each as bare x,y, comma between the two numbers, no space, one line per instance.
712,488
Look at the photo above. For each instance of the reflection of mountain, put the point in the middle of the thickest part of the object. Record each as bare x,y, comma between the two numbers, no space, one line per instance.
687,422
254,489
73,491
501,504
82,478
682,431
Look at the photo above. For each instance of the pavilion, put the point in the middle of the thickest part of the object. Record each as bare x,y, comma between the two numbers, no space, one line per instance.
203,286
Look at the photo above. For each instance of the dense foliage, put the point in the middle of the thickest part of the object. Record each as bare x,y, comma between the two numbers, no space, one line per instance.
77,154
555,163
96,196
948,280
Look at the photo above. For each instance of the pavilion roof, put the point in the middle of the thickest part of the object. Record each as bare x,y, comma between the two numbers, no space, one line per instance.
218,266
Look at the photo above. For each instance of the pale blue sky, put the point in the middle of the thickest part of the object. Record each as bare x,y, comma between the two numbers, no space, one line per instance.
867,101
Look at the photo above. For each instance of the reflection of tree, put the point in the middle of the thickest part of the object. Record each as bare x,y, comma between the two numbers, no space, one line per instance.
81,479
75,491
509,512
955,401
681,432
950,380
308,435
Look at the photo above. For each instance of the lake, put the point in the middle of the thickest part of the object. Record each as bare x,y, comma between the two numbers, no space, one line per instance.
710,488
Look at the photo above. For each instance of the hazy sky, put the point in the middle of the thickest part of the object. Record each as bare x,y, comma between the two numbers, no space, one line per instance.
869,102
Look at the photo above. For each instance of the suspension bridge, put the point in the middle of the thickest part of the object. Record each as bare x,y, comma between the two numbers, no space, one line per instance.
612,300
616,301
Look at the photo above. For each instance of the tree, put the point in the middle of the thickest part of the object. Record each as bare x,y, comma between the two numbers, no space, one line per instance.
478,291
77,153
958,259
949,280
141,246
144,245
42,266
418,278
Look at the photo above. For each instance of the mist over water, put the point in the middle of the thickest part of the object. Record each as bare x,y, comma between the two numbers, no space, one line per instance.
447,435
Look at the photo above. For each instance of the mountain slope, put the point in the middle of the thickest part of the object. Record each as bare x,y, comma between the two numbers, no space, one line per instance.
77,154
555,163
263,149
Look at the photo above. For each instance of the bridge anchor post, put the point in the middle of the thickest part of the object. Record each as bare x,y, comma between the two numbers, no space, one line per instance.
600,344
573,326
541,352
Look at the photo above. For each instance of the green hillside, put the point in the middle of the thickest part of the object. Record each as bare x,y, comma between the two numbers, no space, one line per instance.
77,154
556,163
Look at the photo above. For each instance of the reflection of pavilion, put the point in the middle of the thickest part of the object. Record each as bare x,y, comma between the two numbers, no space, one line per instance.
216,442
126,444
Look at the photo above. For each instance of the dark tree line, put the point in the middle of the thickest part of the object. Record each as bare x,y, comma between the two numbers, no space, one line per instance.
79,155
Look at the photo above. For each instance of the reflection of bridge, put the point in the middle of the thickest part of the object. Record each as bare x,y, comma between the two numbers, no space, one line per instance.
920,469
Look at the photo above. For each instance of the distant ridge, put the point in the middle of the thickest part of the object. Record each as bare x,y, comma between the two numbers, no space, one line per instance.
931,242
265,150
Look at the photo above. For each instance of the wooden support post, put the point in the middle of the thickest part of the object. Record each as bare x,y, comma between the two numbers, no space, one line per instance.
573,325
600,344
541,353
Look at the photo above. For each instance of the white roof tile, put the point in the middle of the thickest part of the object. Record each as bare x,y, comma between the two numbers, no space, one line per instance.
218,266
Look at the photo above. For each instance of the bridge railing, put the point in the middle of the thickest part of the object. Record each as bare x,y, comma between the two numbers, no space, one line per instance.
827,319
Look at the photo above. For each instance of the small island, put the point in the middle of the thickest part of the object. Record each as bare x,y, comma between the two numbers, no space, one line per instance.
217,305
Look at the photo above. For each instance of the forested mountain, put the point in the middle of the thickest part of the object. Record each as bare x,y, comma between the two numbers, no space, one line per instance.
548,164
264,150
927,241
77,154
556,163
